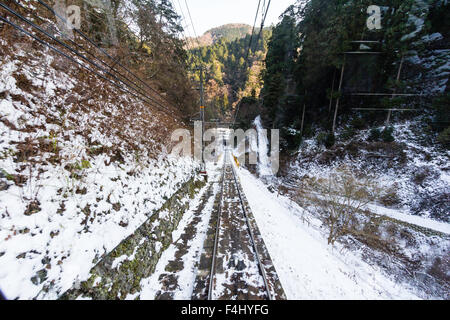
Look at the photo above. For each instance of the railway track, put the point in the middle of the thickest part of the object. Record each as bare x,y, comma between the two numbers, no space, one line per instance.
235,264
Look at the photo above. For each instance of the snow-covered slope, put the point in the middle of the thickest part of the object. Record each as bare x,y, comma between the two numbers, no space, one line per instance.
82,165
404,227
308,267
411,175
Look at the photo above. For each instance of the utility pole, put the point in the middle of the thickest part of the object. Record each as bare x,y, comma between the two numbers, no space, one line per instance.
303,115
337,101
202,117
332,91
397,81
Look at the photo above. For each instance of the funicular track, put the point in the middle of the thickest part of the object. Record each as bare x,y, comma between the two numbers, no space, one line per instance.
235,264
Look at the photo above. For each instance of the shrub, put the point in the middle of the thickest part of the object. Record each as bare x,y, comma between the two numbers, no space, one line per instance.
389,197
432,202
444,138
424,173
348,133
321,138
441,106
330,140
341,197
84,164
375,135
358,123
326,139
386,135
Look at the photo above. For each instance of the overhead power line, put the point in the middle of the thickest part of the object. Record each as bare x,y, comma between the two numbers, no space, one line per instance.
115,61
262,22
110,68
264,12
66,56
68,47
185,30
139,94
192,23
190,39
253,31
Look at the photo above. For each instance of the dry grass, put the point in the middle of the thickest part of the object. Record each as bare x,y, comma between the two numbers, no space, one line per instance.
389,197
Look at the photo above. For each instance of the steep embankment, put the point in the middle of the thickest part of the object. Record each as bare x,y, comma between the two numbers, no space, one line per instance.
408,173
83,165
403,188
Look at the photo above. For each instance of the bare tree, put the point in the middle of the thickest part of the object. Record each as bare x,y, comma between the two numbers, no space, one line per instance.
340,198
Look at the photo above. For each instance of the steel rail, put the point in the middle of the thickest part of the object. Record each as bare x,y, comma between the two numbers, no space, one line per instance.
260,265
216,237
252,238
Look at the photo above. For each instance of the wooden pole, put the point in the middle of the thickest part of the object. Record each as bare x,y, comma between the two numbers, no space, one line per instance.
202,116
337,101
332,90
303,115
388,120
303,119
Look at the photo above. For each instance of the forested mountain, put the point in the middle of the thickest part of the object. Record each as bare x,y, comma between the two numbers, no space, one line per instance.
306,56
232,71
228,32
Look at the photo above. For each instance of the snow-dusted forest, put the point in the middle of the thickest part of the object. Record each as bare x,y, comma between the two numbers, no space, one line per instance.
314,163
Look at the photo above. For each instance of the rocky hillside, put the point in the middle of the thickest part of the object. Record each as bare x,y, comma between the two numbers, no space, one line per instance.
83,164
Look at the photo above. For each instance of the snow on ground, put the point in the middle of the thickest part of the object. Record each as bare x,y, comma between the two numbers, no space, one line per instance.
186,277
402,216
419,183
66,241
416,220
62,209
307,266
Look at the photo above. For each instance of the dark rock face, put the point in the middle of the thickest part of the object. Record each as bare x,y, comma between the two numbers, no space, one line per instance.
114,278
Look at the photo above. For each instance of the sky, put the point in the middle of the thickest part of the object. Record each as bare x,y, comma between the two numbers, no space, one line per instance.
208,14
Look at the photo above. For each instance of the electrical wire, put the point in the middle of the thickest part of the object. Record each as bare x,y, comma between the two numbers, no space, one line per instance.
262,23
188,42
95,57
192,23
73,50
79,63
115,61
250,45
253,31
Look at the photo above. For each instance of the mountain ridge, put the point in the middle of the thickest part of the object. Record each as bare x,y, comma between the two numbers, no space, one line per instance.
229,32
